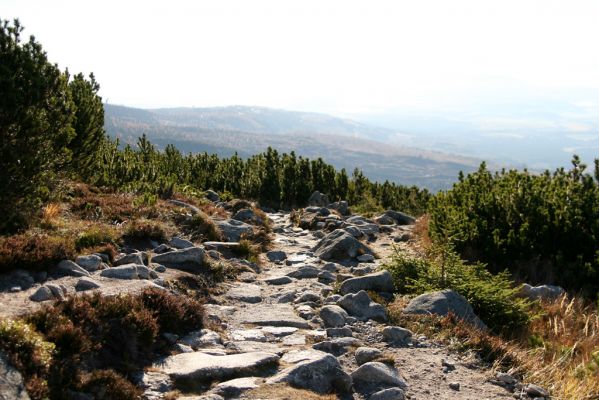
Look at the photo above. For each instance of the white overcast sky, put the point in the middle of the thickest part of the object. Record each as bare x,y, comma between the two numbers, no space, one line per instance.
334,56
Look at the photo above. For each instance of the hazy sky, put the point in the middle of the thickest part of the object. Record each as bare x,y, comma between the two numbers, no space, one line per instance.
334,56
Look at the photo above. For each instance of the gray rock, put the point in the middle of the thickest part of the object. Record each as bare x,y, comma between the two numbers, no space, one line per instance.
535,391
191,259
249,216
304,272
319,372
343,331
235,387
84,284
286,297
543,292
322,211
201,367
365,258
333,316
159,267
340,245
384,220
340,206
381,281
318,199
361,269
202,339
443,302
308,295
17,278
271,315
132,258
366,354
129,271
336,346
506,378
69,268
362,307
279,331
454,386
221,246
11,382
163,248
333,299
374,376
212,196
232,229
154,384
247,293
354,231
326,277
388,394
397,335
182,348
331,267
276,255
90,262
180,243
42,294
400,218
305,311
278,280
241,335
403,237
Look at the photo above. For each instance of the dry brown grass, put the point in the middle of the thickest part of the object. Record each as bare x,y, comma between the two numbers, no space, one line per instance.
559,350
421,232
281,391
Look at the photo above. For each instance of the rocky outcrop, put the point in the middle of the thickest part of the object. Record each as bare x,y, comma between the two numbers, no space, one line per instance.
443,302
340,245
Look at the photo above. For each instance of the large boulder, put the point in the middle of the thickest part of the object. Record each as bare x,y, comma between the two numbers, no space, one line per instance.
379,281
443,302
232,229
202,367
362,307
340,245
319,372
543,292
132,258
318,199
191,259
180,243
212,196
366,226
375,376
11,382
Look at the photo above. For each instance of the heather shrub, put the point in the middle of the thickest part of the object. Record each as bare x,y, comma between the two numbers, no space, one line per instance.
32,251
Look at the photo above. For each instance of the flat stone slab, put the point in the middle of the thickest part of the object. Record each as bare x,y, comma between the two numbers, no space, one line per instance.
246,293
271,315
206,368
278,280
255,335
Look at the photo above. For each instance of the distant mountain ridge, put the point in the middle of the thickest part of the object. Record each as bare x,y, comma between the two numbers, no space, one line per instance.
250,130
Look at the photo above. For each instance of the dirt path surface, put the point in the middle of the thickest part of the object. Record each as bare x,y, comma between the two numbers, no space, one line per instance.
277,311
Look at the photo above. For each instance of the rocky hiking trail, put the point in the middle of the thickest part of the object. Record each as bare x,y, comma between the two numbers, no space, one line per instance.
282,325
300,323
